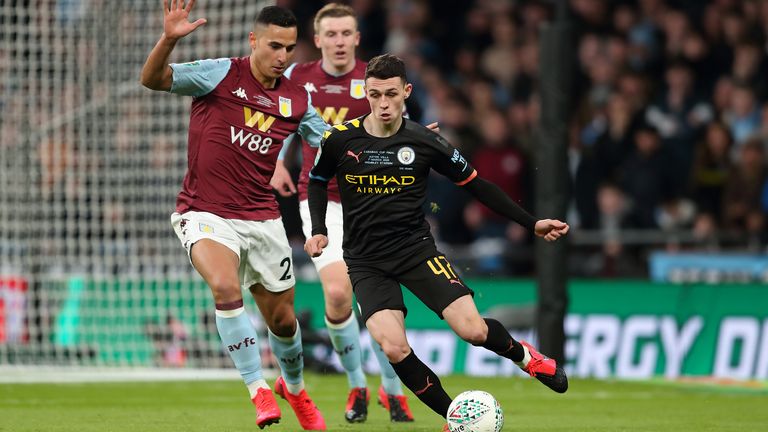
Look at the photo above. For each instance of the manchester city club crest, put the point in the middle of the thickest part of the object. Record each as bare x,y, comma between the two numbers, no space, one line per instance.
406,155
357,88
285,106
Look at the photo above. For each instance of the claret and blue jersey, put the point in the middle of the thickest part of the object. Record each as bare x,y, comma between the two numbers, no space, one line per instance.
236,130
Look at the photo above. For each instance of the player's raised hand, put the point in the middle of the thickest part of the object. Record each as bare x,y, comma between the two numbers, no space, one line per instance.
176,23
434,127
551,229
282,181
314,245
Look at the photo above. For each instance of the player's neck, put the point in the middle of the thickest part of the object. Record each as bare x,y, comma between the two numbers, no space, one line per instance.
379,129
265,81
330,69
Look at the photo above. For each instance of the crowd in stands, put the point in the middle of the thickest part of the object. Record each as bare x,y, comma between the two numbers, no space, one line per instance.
670,120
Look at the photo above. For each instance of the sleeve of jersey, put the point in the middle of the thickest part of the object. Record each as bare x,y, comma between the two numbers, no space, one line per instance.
449,161
312,127
317,190
198,78
325,161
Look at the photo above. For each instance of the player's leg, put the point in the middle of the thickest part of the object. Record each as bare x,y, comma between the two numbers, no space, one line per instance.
211,244
269,275
343,329
390,394
464,319
387,327
344,333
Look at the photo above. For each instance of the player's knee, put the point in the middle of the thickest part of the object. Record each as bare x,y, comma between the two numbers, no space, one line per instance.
338,299
474,333
283,326
395,352
224,289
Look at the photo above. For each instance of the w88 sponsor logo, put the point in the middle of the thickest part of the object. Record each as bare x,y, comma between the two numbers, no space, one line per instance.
253,141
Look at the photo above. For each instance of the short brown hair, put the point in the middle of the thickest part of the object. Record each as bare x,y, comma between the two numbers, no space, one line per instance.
333,10
386,66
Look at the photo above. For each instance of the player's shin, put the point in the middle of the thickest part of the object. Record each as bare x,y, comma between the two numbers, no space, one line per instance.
500,342
345,337
389,379
241,342
423,383
290,356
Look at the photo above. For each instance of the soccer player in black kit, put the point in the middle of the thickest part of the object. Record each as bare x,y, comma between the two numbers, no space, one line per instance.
381,162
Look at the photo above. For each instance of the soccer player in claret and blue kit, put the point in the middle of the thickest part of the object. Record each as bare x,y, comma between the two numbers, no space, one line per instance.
226,216
337,88
381,162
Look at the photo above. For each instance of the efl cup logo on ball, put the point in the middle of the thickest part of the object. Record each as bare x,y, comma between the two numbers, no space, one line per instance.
475,411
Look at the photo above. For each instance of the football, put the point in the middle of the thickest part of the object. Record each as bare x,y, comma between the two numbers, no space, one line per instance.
475,411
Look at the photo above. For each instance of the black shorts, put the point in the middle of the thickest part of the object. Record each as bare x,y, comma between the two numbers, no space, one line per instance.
433,281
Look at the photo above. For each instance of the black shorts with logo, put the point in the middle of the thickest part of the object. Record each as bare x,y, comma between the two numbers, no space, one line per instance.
433,280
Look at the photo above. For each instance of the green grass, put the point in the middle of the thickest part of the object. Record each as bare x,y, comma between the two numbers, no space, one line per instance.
528,406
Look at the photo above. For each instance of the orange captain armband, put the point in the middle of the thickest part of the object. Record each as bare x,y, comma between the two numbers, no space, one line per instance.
468,179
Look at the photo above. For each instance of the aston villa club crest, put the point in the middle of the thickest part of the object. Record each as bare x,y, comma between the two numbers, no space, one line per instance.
357,88
406,155
285,106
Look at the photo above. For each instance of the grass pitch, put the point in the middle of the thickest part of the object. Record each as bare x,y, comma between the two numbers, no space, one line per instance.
528,406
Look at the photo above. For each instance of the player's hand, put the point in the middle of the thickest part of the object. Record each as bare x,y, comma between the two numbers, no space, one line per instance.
176,23
550,229
314,245
282,181
434,127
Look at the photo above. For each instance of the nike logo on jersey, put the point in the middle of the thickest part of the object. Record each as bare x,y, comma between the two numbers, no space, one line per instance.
356,156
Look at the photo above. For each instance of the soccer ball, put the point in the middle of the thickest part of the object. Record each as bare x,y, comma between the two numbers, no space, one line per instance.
475,411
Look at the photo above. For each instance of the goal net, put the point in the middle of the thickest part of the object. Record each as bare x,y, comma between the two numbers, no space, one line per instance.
90,165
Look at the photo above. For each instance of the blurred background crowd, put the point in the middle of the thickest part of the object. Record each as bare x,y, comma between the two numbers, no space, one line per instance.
667,141
667,145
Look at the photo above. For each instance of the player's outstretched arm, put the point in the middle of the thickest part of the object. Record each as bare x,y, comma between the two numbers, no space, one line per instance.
156,73
495,199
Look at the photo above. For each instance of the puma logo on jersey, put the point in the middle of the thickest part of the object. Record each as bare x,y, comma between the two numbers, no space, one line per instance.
356,156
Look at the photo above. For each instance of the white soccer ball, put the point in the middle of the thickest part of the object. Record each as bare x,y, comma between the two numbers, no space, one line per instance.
475,411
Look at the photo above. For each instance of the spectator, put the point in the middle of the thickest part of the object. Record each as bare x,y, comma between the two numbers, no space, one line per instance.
741,203
647,179
711,168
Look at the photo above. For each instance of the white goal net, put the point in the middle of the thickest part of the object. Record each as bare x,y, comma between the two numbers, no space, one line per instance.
90,165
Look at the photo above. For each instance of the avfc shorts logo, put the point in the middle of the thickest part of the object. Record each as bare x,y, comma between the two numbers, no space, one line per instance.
406,155
205,228
357,89
285,106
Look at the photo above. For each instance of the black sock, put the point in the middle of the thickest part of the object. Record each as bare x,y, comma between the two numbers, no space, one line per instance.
423,383
500,342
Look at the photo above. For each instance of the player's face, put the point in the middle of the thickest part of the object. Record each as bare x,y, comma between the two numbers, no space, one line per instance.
387,98
272,48
337,38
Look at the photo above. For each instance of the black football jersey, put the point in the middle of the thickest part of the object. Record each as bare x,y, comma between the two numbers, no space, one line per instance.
383,184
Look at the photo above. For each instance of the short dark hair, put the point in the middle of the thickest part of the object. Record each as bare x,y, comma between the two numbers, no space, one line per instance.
276,15
386,66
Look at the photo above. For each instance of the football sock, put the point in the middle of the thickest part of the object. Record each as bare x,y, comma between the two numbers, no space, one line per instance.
345,338
500,342
423,383
290,356
389,379
241,342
